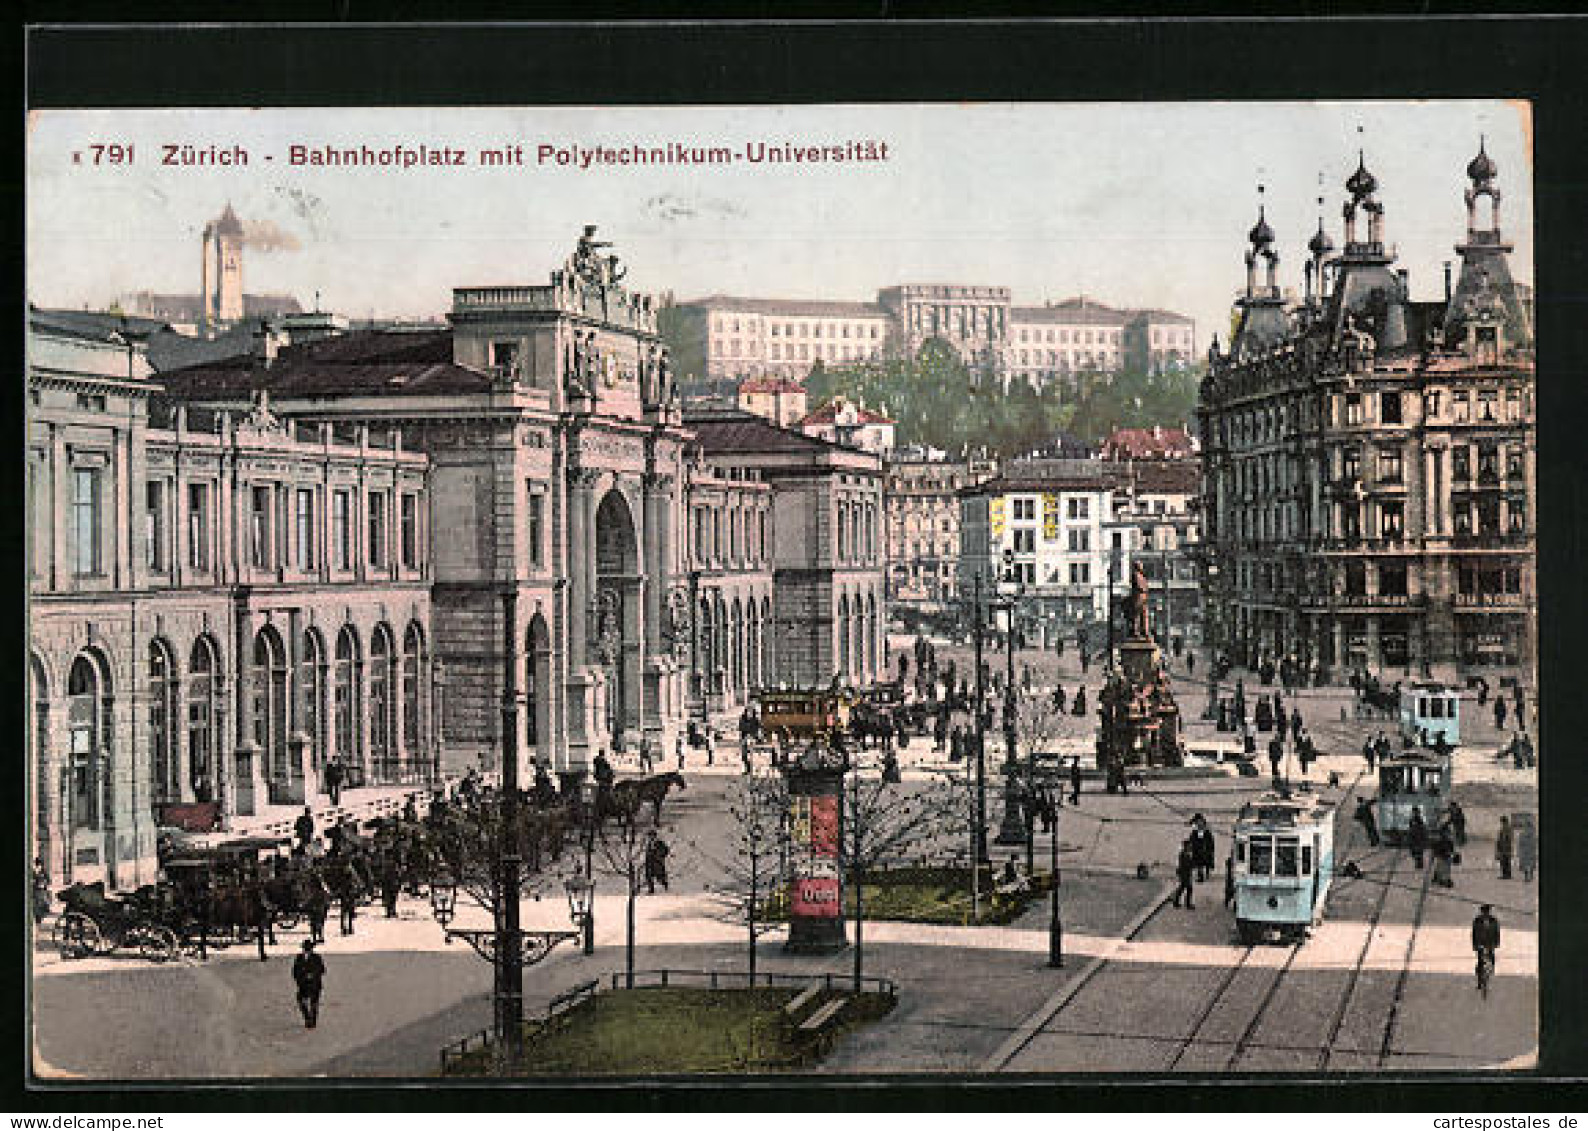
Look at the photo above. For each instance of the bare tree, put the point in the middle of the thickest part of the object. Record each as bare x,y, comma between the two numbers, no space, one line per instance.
882,822
624,846
755,864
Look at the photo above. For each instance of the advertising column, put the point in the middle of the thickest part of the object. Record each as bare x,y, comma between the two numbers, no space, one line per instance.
816,894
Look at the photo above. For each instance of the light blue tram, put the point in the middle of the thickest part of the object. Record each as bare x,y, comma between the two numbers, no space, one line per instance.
1284,861
1430,711
1413,780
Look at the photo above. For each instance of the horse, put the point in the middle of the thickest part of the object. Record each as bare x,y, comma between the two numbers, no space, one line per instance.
628,796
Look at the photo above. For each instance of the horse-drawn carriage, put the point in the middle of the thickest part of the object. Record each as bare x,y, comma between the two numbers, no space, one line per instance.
92,922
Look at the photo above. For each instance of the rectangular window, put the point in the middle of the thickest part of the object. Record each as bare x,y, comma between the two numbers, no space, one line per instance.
1080,541
155,525
1353,408
410,530
1516,514
1025,509
1459,407
1390,404
198,526
1513,405
1461,463
537,530
1285,856
1262,852
1025,541
1389,465
377,529
504,357
303,527
342,529
259,527
86,547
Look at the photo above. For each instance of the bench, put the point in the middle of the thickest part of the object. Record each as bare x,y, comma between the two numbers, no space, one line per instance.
823,1017
572,995
797,1005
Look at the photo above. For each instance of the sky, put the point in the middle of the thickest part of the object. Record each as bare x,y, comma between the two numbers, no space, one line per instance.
1130,204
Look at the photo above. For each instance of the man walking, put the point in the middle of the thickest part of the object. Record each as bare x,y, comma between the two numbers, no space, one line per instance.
1183,871
1499,712
304,828
1364,814
656,853
333,780
308,971
1075,781
1504,842
1276,755
1417,837
1485,935
1229,880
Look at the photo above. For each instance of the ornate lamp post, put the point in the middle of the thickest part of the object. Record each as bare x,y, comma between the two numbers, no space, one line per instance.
505,945
979,834
581,906
1055,926
1011,828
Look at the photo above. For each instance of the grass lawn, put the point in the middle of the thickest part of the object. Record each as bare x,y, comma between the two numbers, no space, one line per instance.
672,1030
938,895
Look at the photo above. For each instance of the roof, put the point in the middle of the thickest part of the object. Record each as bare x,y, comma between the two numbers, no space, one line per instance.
1026,475
1154,314
93,325
1165,477
828,414
792,307
1069,314
770,385
364,362
722,431
190,307
1148,443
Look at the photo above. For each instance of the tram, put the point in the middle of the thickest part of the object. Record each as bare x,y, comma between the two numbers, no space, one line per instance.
1429,712
1284,862
1413,779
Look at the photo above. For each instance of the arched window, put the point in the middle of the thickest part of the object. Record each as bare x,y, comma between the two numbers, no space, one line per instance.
166,783
413,743
382,704
737,644
345,699
843,638
706,638
752,644
720,619
537,688
873,636
203,719
270,703
766,642
85,740
311,680
857,647
843,531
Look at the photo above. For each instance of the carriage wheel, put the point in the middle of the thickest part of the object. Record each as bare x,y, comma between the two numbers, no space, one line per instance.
158,944
78,935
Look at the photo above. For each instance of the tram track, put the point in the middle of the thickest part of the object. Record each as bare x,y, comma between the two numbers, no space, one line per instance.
1386,1047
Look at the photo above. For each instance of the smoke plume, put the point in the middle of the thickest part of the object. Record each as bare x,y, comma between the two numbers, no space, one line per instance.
262,235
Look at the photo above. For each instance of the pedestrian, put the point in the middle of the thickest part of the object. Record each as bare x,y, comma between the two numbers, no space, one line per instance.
317,906
1229,880
41,890
1202,848
1417,836
1485,933
308,971
333,780
304,828
711,747
1483,692
1458,822
1499,712
1527,849
347,898
656,853
647,759
1364,815
678,751
1281,724
390,883
1444,855
1276,755
1058,699
1504,842
1184,868
1075,781
1080,703
1368,753
1295,720
1190,663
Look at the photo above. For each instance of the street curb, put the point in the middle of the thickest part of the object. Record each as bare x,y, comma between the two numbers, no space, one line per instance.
999,1061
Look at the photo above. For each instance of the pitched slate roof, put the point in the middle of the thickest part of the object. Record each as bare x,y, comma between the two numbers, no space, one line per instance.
369,362
792,307
722,431
1146,443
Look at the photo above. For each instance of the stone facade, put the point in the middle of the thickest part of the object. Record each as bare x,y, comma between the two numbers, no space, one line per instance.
724,337
219,603
922,509
1370,470
829,610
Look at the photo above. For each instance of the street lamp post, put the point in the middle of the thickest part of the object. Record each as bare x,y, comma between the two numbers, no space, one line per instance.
1055,927
1011,828
979,834
505,944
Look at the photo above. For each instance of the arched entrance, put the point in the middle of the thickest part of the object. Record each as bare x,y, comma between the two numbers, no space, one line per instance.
269,708
614,635
89,751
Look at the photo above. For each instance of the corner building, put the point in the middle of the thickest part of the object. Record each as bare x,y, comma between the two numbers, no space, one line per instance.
1369,487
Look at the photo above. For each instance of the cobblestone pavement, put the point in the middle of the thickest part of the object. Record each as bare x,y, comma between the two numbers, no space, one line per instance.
1180,996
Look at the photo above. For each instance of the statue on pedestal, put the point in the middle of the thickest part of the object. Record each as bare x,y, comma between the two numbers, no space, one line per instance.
1135,605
